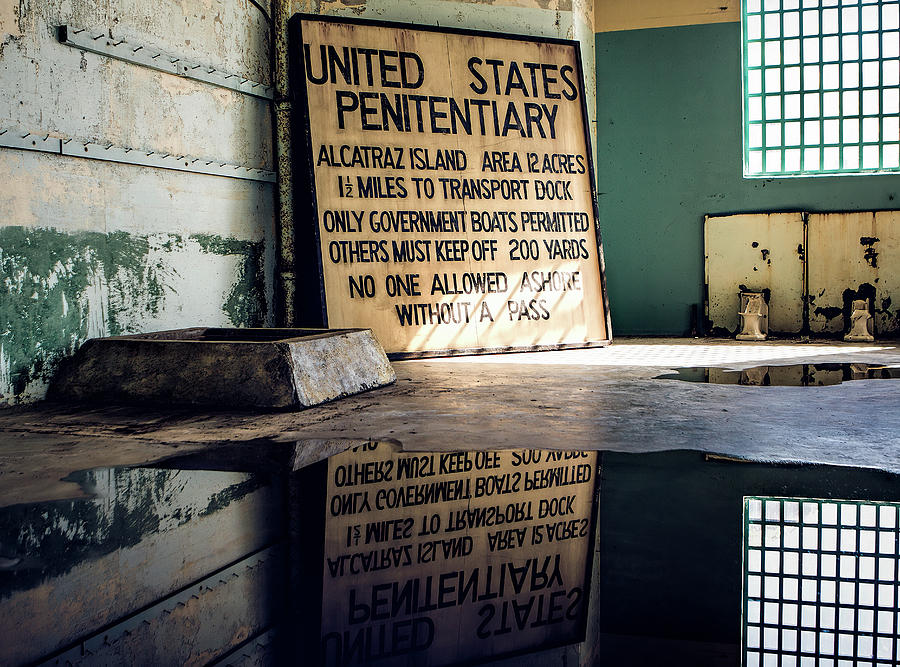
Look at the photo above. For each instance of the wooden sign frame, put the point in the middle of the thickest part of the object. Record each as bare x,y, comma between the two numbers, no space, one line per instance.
311,304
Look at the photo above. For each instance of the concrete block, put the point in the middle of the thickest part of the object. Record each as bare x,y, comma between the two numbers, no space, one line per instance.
236,368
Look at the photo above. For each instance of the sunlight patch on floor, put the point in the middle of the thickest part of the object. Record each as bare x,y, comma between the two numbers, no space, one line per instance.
668,355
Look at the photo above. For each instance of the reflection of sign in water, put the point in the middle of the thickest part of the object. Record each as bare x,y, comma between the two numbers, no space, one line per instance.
450,178
449,557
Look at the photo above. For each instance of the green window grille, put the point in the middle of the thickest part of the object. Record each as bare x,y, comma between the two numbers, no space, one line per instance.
821,87
821,583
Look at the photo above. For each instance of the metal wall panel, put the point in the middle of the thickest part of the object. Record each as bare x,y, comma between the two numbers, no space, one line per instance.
842,263
755,252
849,256
853,256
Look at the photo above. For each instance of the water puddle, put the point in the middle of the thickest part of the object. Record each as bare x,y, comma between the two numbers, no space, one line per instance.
367,554
797,375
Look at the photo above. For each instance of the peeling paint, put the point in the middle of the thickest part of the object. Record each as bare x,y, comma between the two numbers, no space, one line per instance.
869,254
47,279
58,289
129,505
222,499
828,312
246,302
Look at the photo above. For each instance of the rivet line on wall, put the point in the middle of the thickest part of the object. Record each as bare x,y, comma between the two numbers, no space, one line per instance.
44,143
138,54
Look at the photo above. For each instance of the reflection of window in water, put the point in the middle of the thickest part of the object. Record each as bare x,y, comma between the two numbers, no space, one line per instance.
444,558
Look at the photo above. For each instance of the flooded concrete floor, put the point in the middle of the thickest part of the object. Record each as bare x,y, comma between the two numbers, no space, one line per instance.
597,399
155,522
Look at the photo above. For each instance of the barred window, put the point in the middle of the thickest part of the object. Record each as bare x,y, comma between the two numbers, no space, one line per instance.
821,87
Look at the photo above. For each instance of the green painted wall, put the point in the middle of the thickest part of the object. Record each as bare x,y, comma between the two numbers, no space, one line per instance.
669,141
57,289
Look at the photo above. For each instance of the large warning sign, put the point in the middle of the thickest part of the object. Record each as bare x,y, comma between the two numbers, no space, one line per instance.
445,558
444,180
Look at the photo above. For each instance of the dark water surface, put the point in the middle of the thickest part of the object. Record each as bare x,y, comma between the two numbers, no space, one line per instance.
377,556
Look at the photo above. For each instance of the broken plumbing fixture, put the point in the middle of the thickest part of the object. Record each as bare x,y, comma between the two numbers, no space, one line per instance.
754,314
862,325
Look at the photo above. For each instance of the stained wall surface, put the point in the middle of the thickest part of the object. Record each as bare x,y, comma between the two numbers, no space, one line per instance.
669,143
90,247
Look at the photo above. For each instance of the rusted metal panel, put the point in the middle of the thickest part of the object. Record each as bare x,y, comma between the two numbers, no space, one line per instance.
843,263
884,251
854,256
757,252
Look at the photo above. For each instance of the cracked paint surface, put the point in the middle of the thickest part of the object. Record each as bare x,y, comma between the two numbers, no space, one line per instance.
58,289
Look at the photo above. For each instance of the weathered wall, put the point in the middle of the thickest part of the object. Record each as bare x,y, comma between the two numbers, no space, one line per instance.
669,138
74,567
92,248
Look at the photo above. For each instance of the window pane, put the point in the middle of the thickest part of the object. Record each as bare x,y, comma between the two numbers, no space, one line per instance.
890,72
891,128
811,50
790,52
811,158
890,44
791,24
754,27
754,82
871,74
871,128
851,103
829,21
851,131
871,157
755,137
870,102
850,47
850,75
850,19
831,49
891,100
811,105
811,134
870,48
890,16
811,22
